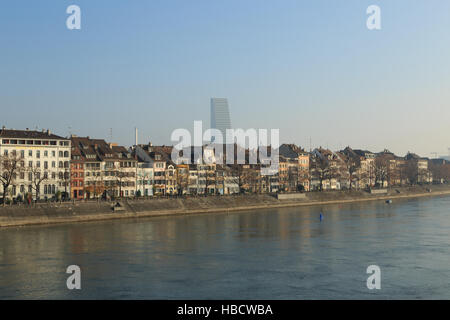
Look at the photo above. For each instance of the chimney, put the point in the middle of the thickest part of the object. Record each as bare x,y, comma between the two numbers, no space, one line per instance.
136,136
49,132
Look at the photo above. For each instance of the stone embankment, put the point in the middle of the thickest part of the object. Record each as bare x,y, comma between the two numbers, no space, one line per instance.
20,215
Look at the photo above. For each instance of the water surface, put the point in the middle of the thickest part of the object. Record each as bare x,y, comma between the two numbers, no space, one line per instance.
265,254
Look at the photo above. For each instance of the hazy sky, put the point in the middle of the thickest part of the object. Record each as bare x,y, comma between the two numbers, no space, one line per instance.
309,68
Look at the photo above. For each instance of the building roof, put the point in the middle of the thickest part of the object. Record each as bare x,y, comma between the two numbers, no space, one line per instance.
440,161
288,151
29,134
97,149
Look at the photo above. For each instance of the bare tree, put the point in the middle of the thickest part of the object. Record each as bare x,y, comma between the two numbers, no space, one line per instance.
10,165
66,179
99,184
293,178
37,176
412,172
323,169
353,165
182,175
255,177
440,171
381,169
120,176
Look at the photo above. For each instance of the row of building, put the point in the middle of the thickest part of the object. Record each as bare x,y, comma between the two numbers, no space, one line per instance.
40,164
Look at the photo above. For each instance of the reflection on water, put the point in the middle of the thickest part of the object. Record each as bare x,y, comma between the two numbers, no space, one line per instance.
265,254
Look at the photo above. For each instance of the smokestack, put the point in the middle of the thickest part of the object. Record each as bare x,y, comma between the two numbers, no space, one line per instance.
136,137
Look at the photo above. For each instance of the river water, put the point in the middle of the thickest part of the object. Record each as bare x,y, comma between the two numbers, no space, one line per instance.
266,254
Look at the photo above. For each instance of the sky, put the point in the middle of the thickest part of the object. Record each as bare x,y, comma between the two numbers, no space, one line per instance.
311,69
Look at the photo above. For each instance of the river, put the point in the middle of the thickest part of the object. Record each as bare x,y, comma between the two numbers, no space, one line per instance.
286,253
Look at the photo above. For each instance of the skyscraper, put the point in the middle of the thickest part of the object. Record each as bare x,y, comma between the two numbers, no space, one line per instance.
220,116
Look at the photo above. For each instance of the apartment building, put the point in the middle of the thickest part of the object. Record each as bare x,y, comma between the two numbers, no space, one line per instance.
108,170
43,163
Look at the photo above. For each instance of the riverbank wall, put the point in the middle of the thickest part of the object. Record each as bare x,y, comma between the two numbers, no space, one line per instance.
50,213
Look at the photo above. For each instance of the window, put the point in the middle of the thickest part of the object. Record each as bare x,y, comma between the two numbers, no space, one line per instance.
30,153
45,165
22,154
5,152
53,164
38,164
53,153
45,153
30,164
60,154
38,154
22,188
66,154
53,175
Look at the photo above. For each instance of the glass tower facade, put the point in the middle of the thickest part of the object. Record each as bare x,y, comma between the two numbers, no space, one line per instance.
220,116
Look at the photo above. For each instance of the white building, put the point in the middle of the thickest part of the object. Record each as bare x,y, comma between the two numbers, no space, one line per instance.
44,162
144,179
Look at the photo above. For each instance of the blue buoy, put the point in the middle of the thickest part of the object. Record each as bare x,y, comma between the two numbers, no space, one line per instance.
321,216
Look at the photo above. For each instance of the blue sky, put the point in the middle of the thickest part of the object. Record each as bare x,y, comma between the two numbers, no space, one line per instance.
309,68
